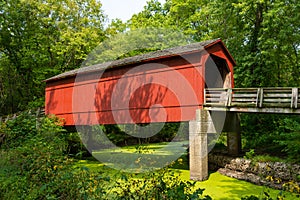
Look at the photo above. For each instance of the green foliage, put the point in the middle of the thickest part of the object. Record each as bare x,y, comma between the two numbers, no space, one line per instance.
76,148
39,39
273,135
34,163
124,134
261,158
252,197
262,36
18,130
115,134
250,154
292,186
50,177
264,196
26,126
160,185
267,158
289,138
134,42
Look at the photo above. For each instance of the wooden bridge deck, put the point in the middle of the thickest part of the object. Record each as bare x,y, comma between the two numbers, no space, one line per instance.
258,100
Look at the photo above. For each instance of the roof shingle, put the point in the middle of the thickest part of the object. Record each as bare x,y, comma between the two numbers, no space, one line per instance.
200,46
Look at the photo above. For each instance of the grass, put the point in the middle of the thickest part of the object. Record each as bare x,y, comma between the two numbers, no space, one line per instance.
142,158
262,157
267,158
217,186
222,187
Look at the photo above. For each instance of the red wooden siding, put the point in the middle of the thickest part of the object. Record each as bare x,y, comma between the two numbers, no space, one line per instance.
167,89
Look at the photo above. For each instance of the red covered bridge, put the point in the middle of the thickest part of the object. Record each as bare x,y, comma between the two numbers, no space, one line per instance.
191,83
162,86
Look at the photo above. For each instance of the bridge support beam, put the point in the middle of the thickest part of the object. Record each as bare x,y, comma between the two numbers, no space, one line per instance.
234,143
233,130
198,149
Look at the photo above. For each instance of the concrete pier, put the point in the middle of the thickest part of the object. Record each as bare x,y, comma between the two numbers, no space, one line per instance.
233,129
198,130
207,122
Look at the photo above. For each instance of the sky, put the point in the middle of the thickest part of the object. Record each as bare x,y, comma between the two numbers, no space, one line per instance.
123,9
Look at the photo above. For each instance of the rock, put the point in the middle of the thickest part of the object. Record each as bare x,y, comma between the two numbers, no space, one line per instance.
277,170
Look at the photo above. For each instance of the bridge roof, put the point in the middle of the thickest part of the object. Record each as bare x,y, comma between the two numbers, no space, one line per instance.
181,50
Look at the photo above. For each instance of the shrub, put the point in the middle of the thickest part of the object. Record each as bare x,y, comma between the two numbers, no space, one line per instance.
35,164
249,154
159,185
18,130
289,138
271,134
265,196
125,135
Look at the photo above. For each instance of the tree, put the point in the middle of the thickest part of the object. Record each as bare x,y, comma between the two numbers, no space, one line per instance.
262,35
42,38
153,15
134,42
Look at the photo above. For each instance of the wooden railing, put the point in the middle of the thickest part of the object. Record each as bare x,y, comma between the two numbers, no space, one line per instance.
253,97
37,112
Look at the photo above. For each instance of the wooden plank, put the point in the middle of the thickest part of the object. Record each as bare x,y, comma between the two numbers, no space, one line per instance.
284,95
244,100
215,104
294,102
215,91
38,111
244,90
257,97
297,97
244,105
213,95
264,110
215,99
276,105
261,97
277,100
212,89
235,109
229,97
244,95
204,101
286,90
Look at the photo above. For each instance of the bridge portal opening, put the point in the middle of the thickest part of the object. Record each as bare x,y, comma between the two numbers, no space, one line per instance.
217,73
